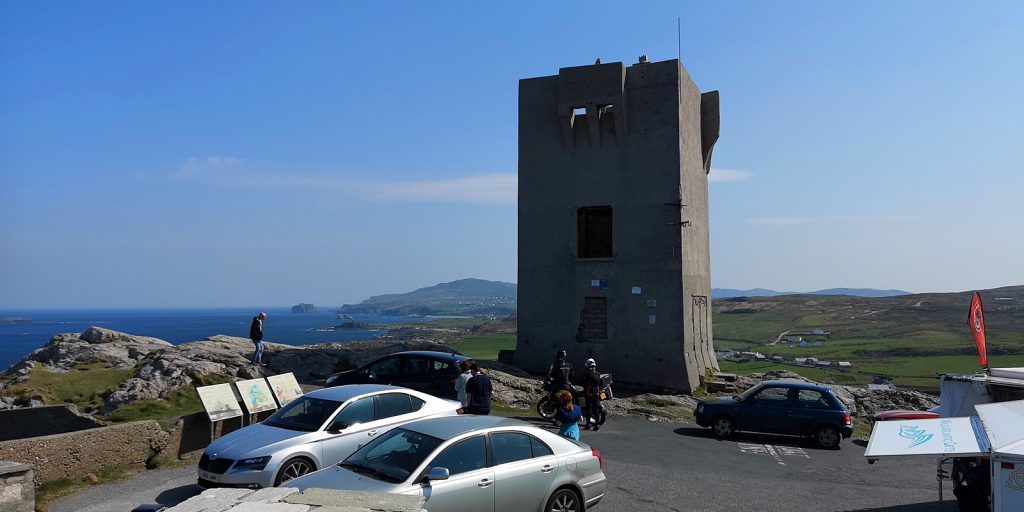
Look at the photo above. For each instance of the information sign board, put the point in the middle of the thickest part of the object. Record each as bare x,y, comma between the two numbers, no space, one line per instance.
219,402
285,388
256,396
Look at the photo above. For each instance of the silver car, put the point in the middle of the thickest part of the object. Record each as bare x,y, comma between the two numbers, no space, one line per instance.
472,464
312,432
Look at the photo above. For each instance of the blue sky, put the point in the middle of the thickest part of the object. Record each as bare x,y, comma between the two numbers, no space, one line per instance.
254,153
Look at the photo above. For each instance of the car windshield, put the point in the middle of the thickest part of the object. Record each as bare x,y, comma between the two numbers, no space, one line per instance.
305,414
750,392
393,456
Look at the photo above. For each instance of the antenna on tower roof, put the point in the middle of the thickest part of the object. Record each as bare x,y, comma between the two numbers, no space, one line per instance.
679,40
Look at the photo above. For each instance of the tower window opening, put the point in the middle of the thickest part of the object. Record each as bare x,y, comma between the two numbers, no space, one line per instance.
594,228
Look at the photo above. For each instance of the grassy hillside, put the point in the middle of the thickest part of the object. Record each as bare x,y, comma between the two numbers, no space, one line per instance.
910,338
474,297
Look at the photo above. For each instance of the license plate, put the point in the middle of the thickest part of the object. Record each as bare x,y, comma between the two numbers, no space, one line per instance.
208,476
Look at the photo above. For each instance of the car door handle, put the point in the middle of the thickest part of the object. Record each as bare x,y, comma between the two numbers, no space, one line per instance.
372,433
484,483
546,469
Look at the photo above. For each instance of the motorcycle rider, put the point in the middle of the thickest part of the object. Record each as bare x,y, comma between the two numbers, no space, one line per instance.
593,385
560,374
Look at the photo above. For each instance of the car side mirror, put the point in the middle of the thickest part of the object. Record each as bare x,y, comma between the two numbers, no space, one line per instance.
337,427
438,474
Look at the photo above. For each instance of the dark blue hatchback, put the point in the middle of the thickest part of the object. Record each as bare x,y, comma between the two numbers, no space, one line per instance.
780,407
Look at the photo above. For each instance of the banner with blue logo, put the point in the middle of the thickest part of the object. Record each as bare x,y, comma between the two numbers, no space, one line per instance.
942,436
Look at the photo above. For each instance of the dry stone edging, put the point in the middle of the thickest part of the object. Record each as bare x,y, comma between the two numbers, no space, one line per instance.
289,499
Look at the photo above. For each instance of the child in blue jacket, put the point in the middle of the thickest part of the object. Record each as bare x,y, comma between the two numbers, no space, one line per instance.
567,416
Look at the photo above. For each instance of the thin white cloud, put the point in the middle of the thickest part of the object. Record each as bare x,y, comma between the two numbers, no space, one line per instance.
209,165
795,221
230,171
727,175
239,172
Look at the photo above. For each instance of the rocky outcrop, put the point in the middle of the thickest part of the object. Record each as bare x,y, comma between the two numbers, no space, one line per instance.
116,349
187,364
304,308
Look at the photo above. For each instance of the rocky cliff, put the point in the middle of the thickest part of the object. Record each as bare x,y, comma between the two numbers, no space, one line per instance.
160,367
117,349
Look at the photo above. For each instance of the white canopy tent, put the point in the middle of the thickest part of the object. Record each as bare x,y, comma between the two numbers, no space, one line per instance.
1004,425
996,432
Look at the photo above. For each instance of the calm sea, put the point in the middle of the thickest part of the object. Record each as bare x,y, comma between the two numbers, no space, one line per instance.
180,326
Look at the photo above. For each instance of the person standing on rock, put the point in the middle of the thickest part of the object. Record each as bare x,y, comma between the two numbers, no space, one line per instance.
256,335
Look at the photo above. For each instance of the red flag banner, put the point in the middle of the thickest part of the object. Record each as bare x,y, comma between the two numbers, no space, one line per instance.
976,321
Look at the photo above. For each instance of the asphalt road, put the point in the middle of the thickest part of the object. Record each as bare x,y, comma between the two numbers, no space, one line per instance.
656,466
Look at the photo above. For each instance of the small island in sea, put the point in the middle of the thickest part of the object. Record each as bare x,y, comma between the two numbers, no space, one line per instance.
350,323
15,320
304,308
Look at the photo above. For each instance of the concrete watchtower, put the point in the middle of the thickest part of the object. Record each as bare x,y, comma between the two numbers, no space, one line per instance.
614,259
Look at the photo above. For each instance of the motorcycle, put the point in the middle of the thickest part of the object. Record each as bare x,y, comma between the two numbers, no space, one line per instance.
547,404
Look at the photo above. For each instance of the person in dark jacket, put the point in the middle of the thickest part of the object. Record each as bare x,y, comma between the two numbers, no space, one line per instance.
256,335
593,385
478,392
560,374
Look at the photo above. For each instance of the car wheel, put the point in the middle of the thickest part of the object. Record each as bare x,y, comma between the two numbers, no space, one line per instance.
827,437
723,427
564,500
293,469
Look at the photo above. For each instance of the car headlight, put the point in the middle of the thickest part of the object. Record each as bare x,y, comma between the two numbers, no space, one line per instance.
700,408
253,463
331,379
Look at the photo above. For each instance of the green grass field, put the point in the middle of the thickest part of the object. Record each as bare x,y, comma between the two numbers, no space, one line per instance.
484,347
919,372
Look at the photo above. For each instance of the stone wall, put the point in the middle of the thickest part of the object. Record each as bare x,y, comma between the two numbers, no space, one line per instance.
76,454
42,421
17,493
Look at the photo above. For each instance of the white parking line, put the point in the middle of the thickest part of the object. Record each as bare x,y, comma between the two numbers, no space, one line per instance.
777,452
778,458
792,451
759,449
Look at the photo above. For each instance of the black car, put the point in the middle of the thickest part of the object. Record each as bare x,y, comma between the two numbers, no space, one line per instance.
779,407
430,372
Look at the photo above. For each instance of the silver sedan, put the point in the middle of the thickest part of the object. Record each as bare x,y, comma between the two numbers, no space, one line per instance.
312,432
472,464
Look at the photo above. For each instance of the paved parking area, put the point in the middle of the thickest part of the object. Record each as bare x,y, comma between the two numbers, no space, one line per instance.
654,466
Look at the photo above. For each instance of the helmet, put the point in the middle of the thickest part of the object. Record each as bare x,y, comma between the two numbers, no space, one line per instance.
590,363
560,355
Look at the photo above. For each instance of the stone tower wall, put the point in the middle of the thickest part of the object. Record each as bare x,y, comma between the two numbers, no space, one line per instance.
638,149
